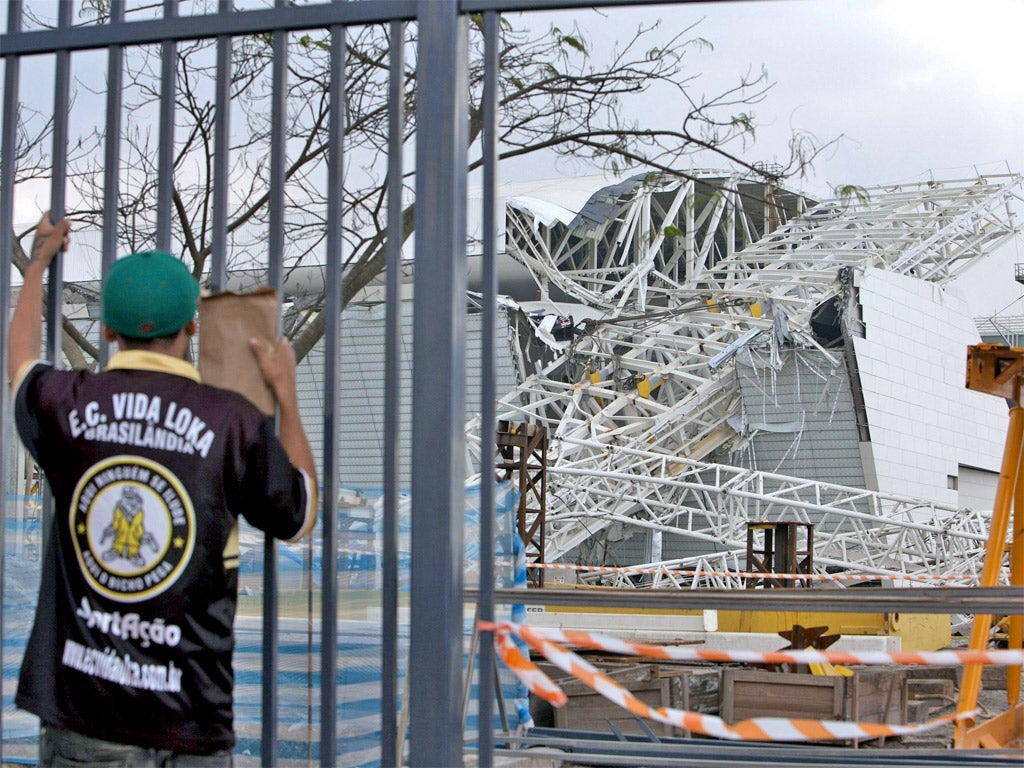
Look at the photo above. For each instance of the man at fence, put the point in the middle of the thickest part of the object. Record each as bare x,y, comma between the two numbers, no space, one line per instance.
129,659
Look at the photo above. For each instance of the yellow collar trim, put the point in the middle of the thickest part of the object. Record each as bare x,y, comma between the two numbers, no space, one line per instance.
143,360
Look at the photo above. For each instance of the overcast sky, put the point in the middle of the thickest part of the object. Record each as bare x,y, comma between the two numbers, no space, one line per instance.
917,89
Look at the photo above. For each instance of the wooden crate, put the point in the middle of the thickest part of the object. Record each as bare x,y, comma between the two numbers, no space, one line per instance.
871,695
690,688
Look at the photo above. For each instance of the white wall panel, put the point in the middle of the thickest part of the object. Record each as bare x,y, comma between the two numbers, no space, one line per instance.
924,423
977,488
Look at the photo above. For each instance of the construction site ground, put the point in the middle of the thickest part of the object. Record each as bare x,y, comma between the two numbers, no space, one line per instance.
928,693
931,749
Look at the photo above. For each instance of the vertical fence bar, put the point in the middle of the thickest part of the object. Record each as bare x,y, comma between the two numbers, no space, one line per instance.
111,159
332,310
439,307
488,388
275,252
221,159
61,100
165,151
390,738
55,274
8,166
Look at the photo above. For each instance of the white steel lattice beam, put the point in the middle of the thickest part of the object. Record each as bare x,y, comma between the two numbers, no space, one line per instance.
873,532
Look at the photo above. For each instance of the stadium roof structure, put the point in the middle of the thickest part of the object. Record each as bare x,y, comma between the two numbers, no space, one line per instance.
682,274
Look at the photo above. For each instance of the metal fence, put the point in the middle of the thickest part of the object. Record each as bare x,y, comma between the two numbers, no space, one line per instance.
436,660
436,647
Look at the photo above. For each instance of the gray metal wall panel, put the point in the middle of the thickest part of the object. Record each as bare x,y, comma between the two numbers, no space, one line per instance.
634,548
675,547
808,400
360,416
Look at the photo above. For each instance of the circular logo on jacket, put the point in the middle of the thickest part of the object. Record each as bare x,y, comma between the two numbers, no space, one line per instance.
133,527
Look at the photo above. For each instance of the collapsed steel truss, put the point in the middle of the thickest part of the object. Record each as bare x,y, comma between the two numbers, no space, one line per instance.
881,533
637,398
639,241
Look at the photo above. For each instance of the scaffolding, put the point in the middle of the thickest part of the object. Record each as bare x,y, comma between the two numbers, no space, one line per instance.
523,459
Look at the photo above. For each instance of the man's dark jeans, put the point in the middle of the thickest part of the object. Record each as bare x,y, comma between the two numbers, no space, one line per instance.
63,749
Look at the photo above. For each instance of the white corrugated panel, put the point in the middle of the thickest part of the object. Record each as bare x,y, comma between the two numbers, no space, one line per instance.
800,417
976,488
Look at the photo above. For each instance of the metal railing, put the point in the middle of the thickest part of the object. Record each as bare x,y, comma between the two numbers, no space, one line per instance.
437,425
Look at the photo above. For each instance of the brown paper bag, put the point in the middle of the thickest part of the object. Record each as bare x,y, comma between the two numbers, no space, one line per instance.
226,323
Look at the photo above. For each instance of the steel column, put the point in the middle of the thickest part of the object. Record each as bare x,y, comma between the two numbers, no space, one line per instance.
165,149
332,309
275,252
488,388
111,159
55,273
1016,621
523,449
439,307
221,161
8,152
61,102
390,739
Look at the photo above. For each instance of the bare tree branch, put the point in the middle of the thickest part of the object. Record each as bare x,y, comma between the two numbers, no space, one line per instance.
555,97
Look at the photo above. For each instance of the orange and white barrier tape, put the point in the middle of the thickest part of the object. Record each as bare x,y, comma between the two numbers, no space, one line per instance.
525,669
593,641
753,729
635,571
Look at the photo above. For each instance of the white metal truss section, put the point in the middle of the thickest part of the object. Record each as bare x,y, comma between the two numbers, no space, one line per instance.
660,379
865,531
643,237
635,244
933,231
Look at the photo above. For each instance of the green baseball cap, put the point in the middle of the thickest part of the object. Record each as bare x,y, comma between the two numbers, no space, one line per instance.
149,294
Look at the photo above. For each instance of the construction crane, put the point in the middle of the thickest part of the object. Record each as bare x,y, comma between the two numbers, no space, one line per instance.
999,370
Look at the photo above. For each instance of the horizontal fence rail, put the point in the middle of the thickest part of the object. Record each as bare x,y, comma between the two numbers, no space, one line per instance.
938,600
